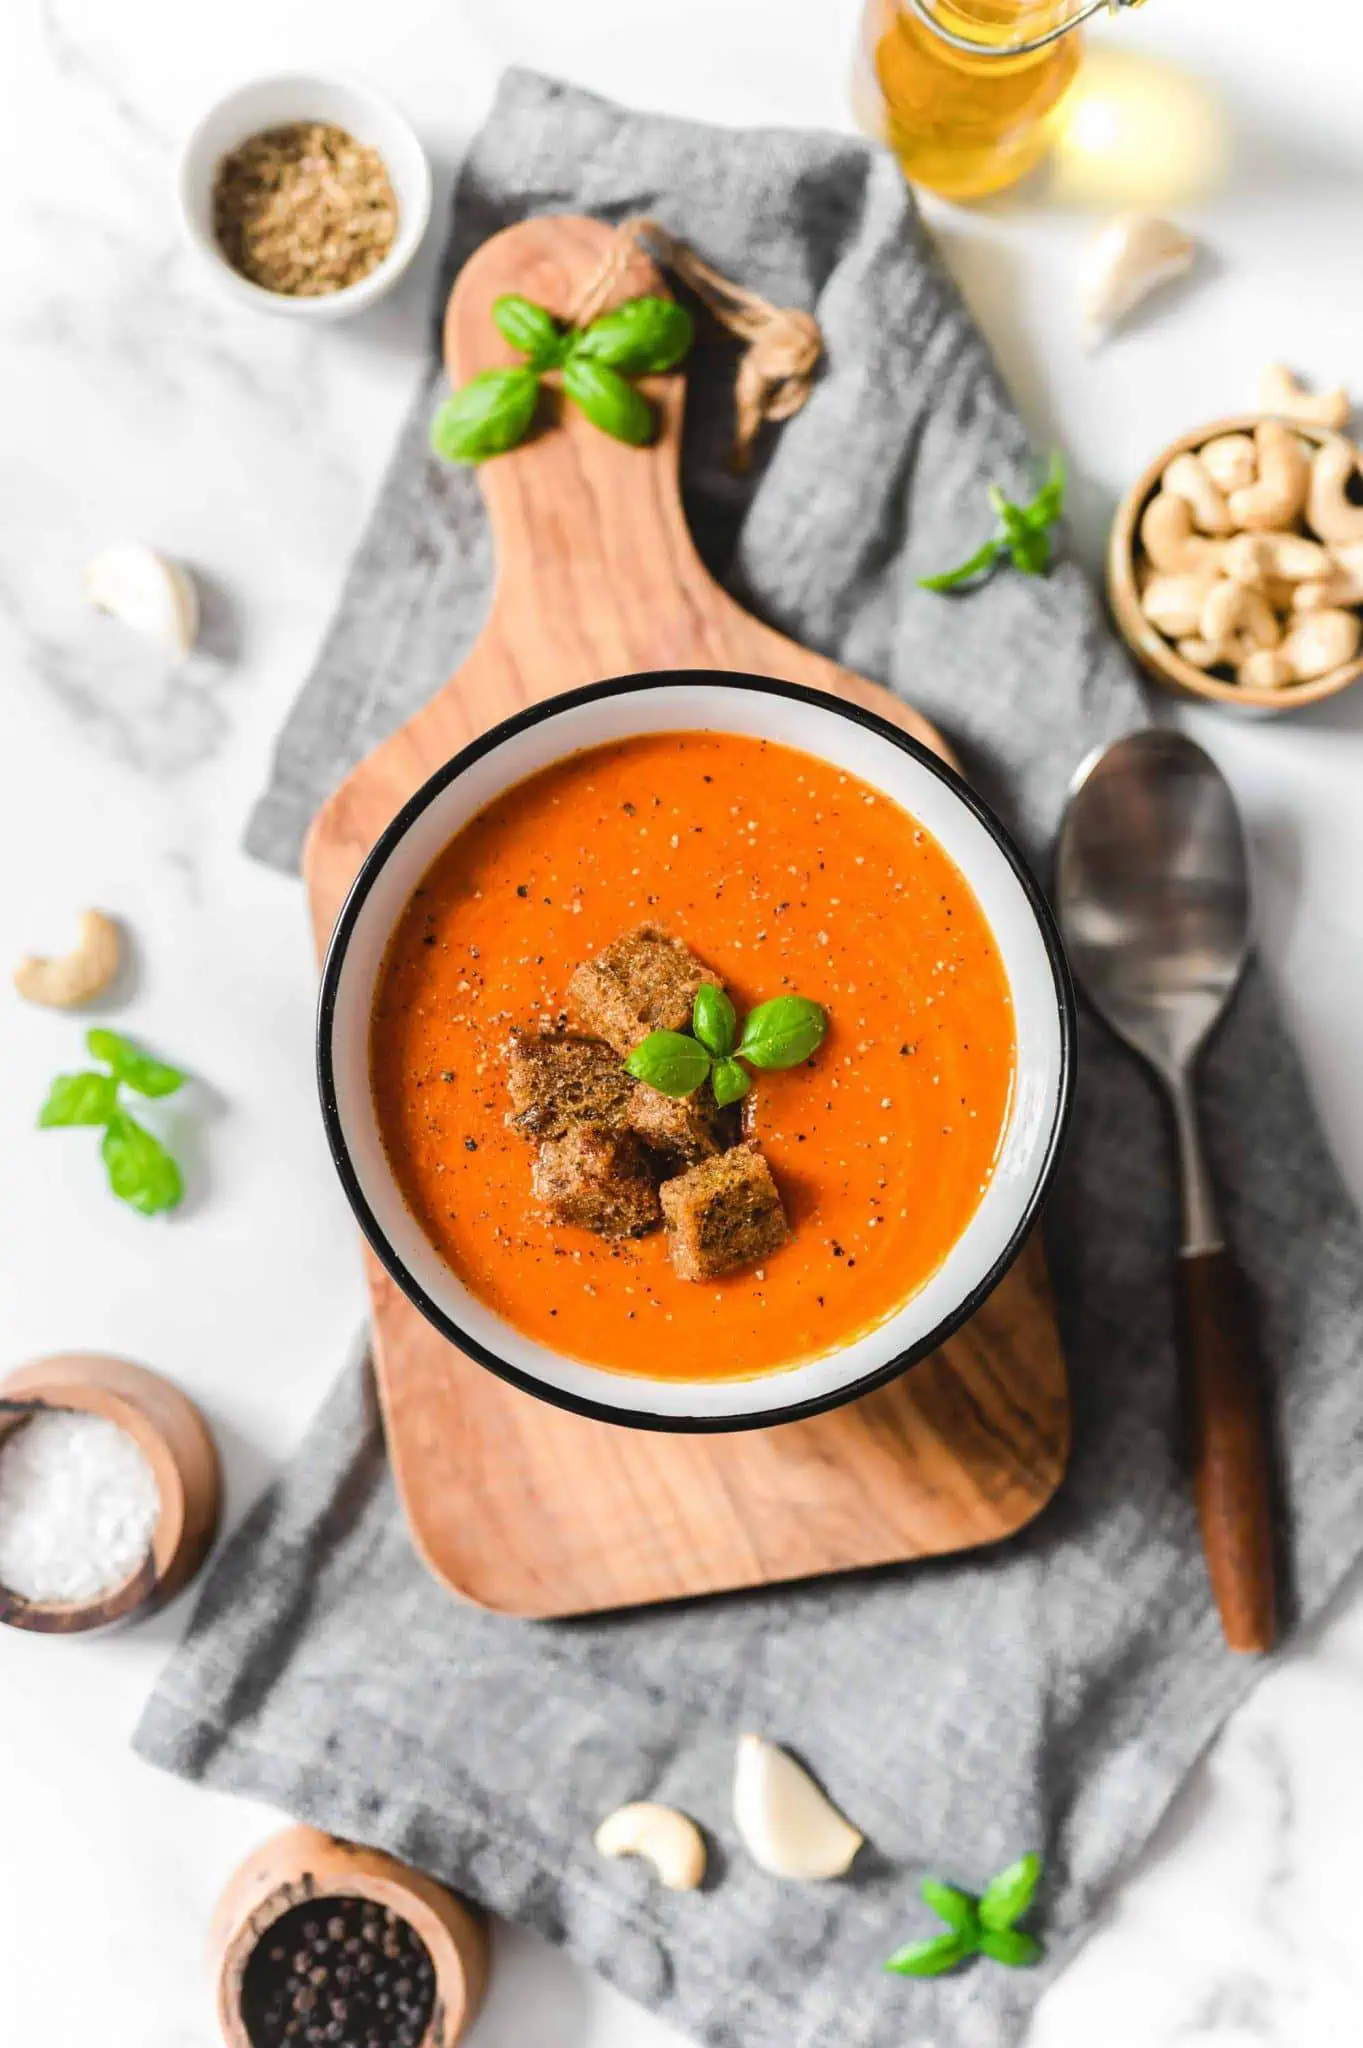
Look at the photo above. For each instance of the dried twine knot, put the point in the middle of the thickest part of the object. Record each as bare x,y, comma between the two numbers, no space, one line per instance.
777,368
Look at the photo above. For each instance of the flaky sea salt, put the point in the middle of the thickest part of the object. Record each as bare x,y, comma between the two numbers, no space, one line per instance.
78,1506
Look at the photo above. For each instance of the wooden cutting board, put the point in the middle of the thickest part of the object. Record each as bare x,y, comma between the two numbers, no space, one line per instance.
518,1505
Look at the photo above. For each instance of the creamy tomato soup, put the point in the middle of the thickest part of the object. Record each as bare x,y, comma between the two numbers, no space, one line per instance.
786,876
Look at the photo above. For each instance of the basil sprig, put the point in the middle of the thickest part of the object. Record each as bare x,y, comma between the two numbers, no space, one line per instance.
780,1033
1023,534
983,1926
141,1171
495,410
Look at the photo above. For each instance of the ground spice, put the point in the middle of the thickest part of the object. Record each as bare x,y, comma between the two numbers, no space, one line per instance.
305,209
338,1972
78,1506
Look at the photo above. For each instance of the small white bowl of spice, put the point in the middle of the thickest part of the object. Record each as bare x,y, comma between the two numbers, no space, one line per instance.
307,194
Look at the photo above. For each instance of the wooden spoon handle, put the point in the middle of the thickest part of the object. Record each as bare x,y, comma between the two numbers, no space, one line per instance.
1230,1445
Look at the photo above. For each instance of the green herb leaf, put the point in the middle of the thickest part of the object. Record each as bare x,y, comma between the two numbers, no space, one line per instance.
78,1099
608,401
732,1082
531,329
1024,533
956,1907
714,1020
642,336
951,579
931,1958
141,1171
1010,1946
670,1062
489,415
1007,1897
783,1032
131,1064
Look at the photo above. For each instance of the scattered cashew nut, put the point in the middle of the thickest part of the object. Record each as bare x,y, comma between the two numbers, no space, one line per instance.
69,979
1281,394
1187,478
1277,495
1330,511
669,1840
1231,461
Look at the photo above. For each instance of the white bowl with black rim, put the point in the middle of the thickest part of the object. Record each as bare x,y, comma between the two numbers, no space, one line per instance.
861,744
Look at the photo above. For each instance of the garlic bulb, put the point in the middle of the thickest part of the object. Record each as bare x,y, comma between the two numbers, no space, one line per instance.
787,1824
1125,262
149,592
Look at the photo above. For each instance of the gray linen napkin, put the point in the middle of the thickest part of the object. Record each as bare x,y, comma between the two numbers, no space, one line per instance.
1049,1694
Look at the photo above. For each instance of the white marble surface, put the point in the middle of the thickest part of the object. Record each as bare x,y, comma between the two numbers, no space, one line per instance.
139,403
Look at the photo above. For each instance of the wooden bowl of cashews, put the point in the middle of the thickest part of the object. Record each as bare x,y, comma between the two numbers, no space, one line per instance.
1235,566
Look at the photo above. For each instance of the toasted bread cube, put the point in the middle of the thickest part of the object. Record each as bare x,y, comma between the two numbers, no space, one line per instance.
645,981
724,1213
599,1179
682,1131
557,1079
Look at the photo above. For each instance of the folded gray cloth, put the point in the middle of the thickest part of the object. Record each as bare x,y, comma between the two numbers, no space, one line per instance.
1049,1694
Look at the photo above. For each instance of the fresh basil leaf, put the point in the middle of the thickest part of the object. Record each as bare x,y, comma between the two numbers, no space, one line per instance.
714,1020
670,1062
129,1063
608,401
645,334
783,1032
975,565
141,1171
1049,502
931,1958
531,329
732,1082
1007,1897
1010,1946
489,415
956,1907
78,1099
1030,551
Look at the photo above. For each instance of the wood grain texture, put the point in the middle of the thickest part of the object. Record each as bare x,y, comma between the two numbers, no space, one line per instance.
521,1506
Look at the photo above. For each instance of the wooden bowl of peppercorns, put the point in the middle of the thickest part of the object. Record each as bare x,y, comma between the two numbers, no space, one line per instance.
320,1943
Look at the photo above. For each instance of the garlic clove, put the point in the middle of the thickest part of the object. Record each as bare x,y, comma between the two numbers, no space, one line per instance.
1126,260
789,1827
149,592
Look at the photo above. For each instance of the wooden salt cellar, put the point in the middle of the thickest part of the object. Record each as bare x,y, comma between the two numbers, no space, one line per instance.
303,1864
176,1442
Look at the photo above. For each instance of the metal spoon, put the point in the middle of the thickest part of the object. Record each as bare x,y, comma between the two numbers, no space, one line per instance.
1153,898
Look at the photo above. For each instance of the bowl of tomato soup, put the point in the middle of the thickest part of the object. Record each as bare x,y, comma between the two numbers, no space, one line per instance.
782,844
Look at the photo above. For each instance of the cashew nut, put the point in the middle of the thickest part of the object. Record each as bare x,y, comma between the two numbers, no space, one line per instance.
1330,511
1265,558
1174,603
668,1840
1185,477
1202,653
1317,643
1280,393
1168,538
1266,669
1342,583
1278,494
1231,609
1230,461
78,976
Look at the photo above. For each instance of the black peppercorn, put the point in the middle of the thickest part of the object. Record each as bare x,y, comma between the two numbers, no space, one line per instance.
360,1978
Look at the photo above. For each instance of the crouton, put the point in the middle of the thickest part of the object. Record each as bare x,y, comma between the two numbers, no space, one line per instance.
723,1214
599,1179
557,1079
682,1131
645,981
